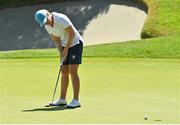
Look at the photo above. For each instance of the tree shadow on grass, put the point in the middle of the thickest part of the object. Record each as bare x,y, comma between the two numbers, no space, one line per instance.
56,108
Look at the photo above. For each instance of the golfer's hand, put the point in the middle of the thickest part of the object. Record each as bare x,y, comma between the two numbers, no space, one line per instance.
65,53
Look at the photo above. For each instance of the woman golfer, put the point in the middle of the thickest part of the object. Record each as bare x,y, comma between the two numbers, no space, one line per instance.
70,45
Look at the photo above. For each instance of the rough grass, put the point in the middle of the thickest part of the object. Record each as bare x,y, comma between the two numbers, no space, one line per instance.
161,47
163,18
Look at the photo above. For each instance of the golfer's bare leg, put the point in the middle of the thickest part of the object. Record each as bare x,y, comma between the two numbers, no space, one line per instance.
64,81
73,70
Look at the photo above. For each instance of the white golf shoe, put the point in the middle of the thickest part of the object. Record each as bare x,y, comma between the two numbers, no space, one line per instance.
73,104
59,102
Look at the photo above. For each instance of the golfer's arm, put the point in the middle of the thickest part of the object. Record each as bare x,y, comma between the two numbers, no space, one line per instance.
57,42
71,35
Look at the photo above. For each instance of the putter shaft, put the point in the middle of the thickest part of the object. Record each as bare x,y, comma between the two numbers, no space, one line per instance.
57,80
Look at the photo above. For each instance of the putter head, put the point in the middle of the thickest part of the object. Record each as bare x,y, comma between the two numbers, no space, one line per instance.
49,105
52,105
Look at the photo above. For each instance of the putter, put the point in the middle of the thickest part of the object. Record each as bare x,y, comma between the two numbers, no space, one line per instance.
55,88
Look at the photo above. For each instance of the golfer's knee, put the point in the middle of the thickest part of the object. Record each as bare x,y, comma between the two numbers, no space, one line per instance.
73,72
65,72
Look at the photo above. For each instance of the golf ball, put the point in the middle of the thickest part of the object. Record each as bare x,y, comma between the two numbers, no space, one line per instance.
145,117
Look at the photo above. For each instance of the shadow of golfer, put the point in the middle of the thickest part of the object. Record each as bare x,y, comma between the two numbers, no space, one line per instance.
56,108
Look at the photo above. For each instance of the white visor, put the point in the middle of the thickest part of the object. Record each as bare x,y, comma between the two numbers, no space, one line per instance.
45,20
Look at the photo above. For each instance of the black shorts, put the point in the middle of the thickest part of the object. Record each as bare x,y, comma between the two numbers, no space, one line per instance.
74,54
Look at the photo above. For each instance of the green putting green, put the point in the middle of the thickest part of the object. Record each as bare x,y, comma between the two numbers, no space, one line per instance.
113,90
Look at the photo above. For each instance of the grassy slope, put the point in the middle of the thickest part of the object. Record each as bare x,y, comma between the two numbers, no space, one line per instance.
162,47
107,95
163,18
163,22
